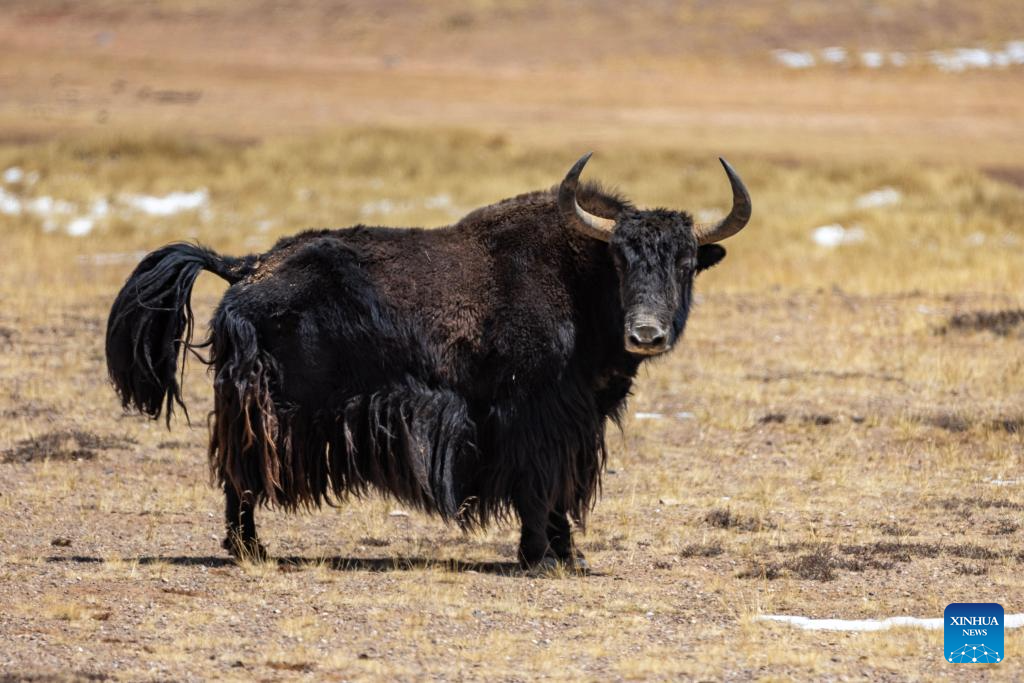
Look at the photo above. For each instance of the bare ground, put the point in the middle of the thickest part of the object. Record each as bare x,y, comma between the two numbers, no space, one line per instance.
797,486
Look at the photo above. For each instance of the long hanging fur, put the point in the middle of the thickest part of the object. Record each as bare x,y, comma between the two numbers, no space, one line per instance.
151,324
407,439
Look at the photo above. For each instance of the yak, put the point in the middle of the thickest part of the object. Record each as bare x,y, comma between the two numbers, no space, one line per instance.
468,371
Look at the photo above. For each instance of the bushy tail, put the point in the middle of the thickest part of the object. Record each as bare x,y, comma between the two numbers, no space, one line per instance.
151,324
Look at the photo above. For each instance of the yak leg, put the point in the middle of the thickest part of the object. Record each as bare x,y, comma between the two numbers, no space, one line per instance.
535,551
240,519
562,543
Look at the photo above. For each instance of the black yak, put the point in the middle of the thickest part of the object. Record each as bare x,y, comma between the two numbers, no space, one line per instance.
467,371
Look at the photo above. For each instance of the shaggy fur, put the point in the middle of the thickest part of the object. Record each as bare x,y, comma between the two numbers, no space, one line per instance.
468,371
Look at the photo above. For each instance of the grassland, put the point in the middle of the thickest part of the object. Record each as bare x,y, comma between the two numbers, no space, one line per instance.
824,443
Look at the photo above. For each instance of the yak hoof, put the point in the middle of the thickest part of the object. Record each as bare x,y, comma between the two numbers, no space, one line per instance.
578,564
244,549
544,567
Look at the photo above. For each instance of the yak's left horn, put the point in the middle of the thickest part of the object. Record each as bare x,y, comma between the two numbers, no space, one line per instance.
737,218
587,223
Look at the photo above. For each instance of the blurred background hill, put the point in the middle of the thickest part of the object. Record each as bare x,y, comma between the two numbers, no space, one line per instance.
795,78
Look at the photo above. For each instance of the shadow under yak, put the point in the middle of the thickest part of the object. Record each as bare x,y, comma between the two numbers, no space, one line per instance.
338,563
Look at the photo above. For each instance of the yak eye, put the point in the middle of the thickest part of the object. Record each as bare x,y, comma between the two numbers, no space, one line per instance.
686,262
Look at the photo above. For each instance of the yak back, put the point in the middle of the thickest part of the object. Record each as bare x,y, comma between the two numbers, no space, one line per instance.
492,306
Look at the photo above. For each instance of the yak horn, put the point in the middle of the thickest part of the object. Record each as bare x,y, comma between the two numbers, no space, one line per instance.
587,223
737,218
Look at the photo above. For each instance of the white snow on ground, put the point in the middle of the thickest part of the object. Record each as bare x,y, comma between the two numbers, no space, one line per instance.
872,59
9,203
794,59
78,221
82,225
13,175
835,235
684,415
886,196
441,201
1011,621
834,55
953,59
169,204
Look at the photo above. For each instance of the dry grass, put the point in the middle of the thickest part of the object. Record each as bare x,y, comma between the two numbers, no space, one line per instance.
829,431
839,442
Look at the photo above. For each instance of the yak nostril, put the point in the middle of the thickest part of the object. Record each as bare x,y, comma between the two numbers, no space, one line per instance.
647,335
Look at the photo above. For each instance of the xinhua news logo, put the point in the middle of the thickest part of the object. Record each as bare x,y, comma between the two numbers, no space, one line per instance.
973,633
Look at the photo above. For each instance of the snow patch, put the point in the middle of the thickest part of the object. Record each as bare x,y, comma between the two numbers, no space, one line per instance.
872,59
1012,621
886,196
955,60
682,415
53,212
80,226
13,175
834,235
169,204
834,55
794,59
9,203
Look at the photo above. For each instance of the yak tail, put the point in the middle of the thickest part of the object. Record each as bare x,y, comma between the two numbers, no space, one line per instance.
151,324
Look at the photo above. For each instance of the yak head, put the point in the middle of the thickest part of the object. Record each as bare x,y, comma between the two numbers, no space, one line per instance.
657,253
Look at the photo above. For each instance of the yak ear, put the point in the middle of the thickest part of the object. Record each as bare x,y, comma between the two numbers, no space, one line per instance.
708,255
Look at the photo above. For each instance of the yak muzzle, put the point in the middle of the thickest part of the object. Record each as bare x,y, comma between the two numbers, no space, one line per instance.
647,338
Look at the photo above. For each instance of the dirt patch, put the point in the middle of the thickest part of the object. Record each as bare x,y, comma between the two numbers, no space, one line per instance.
68,444
304,667
956,423
816,419
962,504
896,529
905,552
817,565
765,571
374,542
1004,527
1002,323
948,421
1014,175
702,550
174,444
724,518
28,409
820,562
